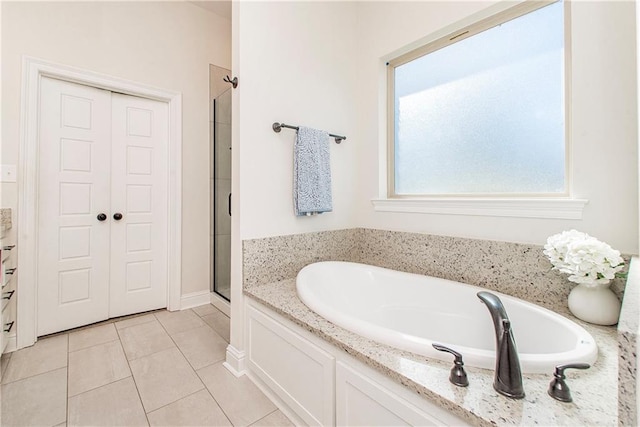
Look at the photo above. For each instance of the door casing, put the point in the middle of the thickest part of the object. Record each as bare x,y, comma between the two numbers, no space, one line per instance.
33,70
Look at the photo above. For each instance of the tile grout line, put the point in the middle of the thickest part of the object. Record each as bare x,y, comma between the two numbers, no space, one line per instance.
66,401
34,375
110,382
223,360
168,404
94,345
68,332
146,355
195,371
212,328
270,413
112,320
178,347
153,318
122,328
217,333
180,350
213,397
133,326
185,358
133,378
119,340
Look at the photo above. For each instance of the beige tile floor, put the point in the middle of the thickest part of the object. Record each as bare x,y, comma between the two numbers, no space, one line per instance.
159,369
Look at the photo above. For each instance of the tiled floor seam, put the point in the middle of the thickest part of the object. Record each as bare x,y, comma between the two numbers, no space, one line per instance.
210,326
66,401
204,386
133,378
95,345
184,355
216,332
178,347
102,385
152,318
126,356
184,397
213,397
257,421
33,376
121,328
39,373
108,321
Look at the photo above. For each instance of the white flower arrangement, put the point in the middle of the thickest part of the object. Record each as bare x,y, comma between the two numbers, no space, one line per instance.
587,260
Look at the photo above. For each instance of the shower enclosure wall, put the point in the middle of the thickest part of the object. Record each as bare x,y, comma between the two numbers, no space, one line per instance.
220,183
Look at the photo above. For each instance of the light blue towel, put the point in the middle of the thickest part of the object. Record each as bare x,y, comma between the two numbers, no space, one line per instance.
311,172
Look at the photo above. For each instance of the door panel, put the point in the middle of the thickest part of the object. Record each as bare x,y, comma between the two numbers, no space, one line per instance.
73,246
139,192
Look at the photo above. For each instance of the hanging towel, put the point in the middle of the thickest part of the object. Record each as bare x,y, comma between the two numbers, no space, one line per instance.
311,172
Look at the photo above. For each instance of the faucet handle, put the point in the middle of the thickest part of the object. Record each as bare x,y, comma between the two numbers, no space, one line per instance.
458,375
558,388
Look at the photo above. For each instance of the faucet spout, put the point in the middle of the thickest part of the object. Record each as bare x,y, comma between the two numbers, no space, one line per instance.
508,375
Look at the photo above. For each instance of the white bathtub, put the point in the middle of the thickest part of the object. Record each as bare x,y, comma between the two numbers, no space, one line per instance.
411,311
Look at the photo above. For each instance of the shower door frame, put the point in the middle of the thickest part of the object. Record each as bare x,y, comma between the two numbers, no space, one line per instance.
214,291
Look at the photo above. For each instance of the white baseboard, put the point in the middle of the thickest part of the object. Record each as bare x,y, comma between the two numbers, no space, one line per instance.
235,362
221,304
194,299
280,404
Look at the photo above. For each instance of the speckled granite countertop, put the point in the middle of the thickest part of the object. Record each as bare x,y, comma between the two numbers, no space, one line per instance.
627,347
5,221
595,391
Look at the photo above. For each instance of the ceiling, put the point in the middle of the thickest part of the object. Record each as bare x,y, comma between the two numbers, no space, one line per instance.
219,7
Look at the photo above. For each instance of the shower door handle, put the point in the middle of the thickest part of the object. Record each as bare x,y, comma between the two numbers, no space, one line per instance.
229,204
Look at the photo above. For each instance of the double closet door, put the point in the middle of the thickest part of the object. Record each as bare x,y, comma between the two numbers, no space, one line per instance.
102,205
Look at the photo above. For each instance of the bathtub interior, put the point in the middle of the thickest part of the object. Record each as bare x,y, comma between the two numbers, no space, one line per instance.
411,311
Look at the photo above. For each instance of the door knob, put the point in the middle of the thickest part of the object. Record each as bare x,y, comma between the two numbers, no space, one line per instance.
101,217
117,216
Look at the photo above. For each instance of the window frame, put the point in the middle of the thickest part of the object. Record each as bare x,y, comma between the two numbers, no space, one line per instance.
451,37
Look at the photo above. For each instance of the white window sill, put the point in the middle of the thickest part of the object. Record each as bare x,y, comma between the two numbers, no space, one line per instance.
560,208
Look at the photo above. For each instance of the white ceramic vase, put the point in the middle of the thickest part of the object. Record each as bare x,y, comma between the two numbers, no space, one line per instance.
594,304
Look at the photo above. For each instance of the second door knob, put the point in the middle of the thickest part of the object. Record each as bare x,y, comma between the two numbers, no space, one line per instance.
117,216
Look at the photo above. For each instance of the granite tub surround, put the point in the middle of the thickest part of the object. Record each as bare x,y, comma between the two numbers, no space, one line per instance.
594,391
5,220
272,259
515,269
628,328
5,217
519,270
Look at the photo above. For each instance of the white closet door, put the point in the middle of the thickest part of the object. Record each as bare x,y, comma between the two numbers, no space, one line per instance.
139,193
73,188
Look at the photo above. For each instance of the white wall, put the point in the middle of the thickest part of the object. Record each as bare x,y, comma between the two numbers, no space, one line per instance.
295,65
320,64
164,44
604,142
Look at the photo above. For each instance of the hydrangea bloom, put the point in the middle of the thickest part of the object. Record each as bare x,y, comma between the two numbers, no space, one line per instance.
584,258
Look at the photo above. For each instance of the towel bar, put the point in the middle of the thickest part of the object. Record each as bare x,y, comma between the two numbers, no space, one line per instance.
277,127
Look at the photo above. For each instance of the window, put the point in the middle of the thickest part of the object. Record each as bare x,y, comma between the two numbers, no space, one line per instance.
481,112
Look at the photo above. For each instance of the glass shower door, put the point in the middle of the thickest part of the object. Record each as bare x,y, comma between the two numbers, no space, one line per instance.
222,195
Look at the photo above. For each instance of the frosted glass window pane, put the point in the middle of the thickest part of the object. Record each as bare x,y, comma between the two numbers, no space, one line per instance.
486,114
